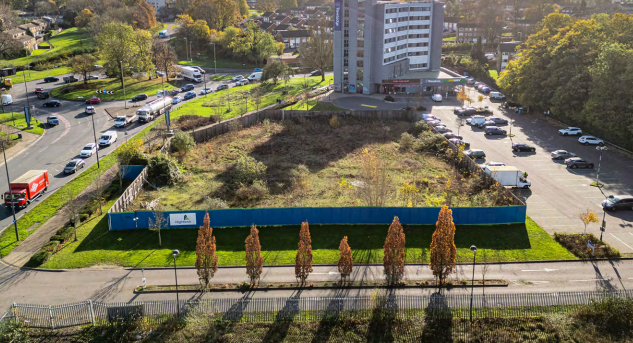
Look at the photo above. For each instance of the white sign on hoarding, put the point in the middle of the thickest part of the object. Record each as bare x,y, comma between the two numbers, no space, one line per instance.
176,219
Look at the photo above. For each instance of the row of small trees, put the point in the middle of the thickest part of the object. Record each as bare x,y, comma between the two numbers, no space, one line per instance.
443,252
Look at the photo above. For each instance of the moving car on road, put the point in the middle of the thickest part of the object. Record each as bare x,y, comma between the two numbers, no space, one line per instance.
315,73
88,150
618,202
51,79
570,131
139,97
562,154
237,78
241,82
520,147
90,110
188,87
107,138
577,162
190,95
206,91
177,99
52,120
52,103
258,70
74,165
221,87
38,89
43,95
93,100
436,97
475,153
586,140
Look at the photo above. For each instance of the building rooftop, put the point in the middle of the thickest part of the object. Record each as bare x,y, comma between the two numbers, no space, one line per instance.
509,46
427,74
295,33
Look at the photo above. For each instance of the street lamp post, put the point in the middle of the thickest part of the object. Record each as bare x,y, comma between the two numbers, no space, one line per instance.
186,50
176,253
15,222
603,227
472,286
94,133
123,82
190,55
215,64
601,149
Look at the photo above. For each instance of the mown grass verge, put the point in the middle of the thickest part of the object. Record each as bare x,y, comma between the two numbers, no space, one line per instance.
79,91
20,122
32,75
98,246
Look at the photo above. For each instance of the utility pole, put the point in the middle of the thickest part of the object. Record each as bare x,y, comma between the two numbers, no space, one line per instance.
215,64
186,51
94,132
15,222
123,81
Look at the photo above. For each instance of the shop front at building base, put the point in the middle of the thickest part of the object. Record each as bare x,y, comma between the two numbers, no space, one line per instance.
427,82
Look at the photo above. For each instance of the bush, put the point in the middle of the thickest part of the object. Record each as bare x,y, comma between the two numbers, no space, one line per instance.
83,217
247,170
163,170
50,246
406,141
334,123
65,232
57,238
419,127
389,98
215,203
189,122
610,316
257,190
429,141
182,142
577,244
39,258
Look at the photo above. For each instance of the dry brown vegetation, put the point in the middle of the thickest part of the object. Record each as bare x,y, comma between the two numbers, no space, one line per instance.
312,163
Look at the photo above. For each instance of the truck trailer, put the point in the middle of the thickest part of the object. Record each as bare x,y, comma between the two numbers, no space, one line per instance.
154,109
26,188
508,176
191,74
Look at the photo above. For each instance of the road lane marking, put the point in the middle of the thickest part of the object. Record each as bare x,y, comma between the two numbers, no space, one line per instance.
368,106
66,128
328,273
539,270
588,280
616,237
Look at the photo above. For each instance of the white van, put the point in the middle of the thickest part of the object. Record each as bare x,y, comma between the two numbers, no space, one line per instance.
7,99
107,138
497,95
476,121
256,76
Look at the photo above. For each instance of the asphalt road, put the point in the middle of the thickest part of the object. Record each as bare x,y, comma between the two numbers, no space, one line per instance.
558,195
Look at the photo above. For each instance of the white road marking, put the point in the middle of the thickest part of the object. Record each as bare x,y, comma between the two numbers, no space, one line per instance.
588,280
539,270
538,282
66,128
328,273
616,237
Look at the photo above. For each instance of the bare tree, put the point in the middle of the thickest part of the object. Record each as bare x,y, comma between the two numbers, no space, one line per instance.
485,265
159,221
317,53
71,208
99,186
376,183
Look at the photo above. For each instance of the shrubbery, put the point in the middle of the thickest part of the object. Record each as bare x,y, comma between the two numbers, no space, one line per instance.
163,170
182,142
189,122
257,190
247,170
610,317
38,258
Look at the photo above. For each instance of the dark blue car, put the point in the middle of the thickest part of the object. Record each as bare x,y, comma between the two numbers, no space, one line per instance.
190,95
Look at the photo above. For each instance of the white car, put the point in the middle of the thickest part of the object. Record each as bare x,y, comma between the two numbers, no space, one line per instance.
88,150
436,97
237,78
90,110
586,140
206,91
573,131
492,164
241,82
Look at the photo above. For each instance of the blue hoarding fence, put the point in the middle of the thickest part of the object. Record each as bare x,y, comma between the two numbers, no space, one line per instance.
319,215
131,172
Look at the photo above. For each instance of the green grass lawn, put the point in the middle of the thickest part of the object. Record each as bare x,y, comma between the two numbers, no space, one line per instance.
66,40
217,103
32,75
20,122
97,245
132,88
449,38
221,63
493,73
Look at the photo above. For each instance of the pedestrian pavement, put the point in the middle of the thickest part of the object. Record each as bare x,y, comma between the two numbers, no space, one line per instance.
27,140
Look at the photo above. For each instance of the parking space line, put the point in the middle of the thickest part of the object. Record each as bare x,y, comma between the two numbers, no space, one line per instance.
616,237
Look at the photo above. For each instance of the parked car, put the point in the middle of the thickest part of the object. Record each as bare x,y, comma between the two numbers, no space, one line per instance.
190,95
459,142
177,99
520,147
188,87
98,66
493,130
450,135
466,111
497,120
52,103
221,87
436,97
570,131
52,120
315,73
431,117
90,110
586,140
618,202
562,154
74,165
475,153
442,129
206,91
139,97
258,70
435,122
93,100
492,164
497,96
51,79
577,162
88,150
485,90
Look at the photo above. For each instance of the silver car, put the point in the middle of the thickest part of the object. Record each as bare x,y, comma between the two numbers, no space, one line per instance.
562,154
74,165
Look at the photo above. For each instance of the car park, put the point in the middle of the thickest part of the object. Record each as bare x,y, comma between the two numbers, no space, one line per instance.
88,150
459,142
497,120
475,153
52,103
139,97
52,120
93,100
570,131
618,202
493,130
577,162
221,87
466,111
587,140
206,91
520,147
74,165
176,99
562,154
492,164
442,129
188,87
190,95
51,79
436,97
90,110
450,135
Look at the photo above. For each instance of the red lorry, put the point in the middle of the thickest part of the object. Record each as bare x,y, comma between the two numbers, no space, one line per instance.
26,188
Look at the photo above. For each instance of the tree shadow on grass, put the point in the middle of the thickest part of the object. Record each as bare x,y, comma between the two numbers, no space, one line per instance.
284,318
383,318
438,320
332,316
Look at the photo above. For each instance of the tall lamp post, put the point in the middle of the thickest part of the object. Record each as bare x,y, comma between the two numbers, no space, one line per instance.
190,55
215,64
94,133
123,82
176,253
15,222
601,149
186,50
472,285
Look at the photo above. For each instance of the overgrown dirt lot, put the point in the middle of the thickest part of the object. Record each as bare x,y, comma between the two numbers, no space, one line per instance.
323,162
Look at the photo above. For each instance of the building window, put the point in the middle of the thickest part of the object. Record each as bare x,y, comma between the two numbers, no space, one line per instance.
401,19
418,65
403,9
360,53
391,10
402,28
359,63
388,31
420,18
387,60
401,56
419,9
390,40
391,49
400,47
390,21
402,37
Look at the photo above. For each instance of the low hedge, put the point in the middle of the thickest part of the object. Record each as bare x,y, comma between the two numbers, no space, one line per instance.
50,246
57,238
65,232
38,258
576,243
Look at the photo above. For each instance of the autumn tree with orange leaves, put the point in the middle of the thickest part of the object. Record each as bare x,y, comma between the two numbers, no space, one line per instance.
206,259
254,260
393,259
303,261
443,251
345,262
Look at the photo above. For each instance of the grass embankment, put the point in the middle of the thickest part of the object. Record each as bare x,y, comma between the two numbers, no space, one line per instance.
32,75
98,246
220,63
268,93
80,91
20,122
68,39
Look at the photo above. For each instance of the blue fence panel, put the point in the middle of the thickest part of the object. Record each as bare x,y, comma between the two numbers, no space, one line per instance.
320,215
131,172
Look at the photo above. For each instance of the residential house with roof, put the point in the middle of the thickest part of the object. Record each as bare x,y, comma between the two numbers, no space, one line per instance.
281,27
282,19
315,13
470,32
43,24
292,39
16,33
506,52
33,28
266,17
297,22
267,27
